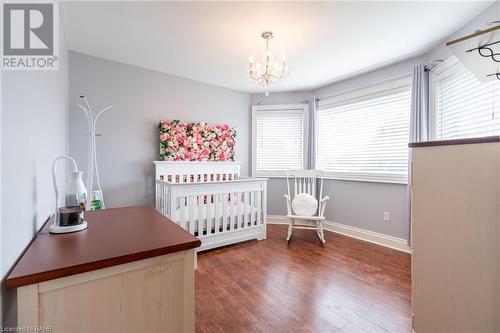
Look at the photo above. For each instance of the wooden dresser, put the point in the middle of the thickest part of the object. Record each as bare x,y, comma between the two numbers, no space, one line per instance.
455,210
131,270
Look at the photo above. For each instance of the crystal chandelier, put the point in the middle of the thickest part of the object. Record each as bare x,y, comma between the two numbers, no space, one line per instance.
269,71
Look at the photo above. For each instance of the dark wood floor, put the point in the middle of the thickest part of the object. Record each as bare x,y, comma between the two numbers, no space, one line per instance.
267,286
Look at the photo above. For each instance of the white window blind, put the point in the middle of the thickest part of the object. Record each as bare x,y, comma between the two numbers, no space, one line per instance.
279,139
366,137
463,106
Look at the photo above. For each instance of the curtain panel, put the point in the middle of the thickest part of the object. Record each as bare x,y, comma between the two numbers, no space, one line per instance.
313,111
419,119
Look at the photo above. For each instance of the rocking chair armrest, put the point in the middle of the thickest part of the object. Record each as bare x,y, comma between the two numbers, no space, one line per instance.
288,204
322,205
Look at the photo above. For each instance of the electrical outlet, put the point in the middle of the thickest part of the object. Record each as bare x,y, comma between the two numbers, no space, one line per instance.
387,216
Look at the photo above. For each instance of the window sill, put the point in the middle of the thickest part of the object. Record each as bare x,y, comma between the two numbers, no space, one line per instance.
349,179
368,180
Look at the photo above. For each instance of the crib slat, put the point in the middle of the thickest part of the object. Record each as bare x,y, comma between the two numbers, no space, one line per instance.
217,213
157,197
239,210
231,212
245,209
190,223
184,224
200,216
252,208
161,200
165,210
259,207
182,211
211,221
224,211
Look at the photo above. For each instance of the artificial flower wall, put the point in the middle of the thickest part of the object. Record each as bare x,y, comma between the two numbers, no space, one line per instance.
196,141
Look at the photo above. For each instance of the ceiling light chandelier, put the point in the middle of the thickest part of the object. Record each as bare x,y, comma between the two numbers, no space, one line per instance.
269,71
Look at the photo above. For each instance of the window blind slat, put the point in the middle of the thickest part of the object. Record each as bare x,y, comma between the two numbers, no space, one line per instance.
279,141
366,139
465,107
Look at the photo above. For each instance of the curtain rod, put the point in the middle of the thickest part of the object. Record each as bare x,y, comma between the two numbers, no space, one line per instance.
433,63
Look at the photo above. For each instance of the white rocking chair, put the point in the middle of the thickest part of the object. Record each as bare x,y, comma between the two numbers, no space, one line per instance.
311,182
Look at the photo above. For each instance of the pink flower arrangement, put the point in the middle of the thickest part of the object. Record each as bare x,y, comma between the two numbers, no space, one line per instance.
196,141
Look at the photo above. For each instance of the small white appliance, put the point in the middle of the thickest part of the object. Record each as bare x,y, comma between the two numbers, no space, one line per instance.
70,218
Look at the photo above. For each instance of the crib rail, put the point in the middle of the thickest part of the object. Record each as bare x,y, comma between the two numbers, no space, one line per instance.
217,212
196,171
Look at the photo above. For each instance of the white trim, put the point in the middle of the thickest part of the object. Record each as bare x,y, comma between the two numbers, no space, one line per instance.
446,66
369,236
367,177
277,219
279,107
372,91
358,233
353,179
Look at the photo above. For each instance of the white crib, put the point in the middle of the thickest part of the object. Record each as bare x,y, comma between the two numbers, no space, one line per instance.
211,201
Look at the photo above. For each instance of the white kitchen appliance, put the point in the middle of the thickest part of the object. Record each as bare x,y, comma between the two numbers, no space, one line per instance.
70,218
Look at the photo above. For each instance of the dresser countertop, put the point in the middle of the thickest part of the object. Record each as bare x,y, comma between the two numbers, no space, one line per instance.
467,141
114,236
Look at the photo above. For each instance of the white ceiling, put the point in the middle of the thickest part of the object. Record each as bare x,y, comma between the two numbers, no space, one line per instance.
211,41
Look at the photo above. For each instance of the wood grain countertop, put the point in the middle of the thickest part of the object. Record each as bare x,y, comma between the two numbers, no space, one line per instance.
114,236
467,141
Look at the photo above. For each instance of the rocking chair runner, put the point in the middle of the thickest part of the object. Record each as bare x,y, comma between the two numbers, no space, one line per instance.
311,182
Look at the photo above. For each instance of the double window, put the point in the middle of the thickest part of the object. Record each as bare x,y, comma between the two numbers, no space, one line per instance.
360,136
363,135
462,106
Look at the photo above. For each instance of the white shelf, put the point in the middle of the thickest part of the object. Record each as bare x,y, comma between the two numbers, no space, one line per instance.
479,66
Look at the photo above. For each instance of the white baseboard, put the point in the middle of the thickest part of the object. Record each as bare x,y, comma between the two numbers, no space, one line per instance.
347,230
277,219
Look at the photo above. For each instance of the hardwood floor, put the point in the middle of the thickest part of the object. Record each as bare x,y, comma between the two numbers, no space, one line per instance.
267,286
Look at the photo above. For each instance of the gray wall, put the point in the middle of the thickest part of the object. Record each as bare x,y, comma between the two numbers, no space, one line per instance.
129,144
33,132
354,203
361,204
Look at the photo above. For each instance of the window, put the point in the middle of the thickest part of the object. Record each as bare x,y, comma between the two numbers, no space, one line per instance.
462,106
364,135
279,139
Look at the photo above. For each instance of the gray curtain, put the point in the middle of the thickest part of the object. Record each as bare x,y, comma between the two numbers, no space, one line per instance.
311,156
419,118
